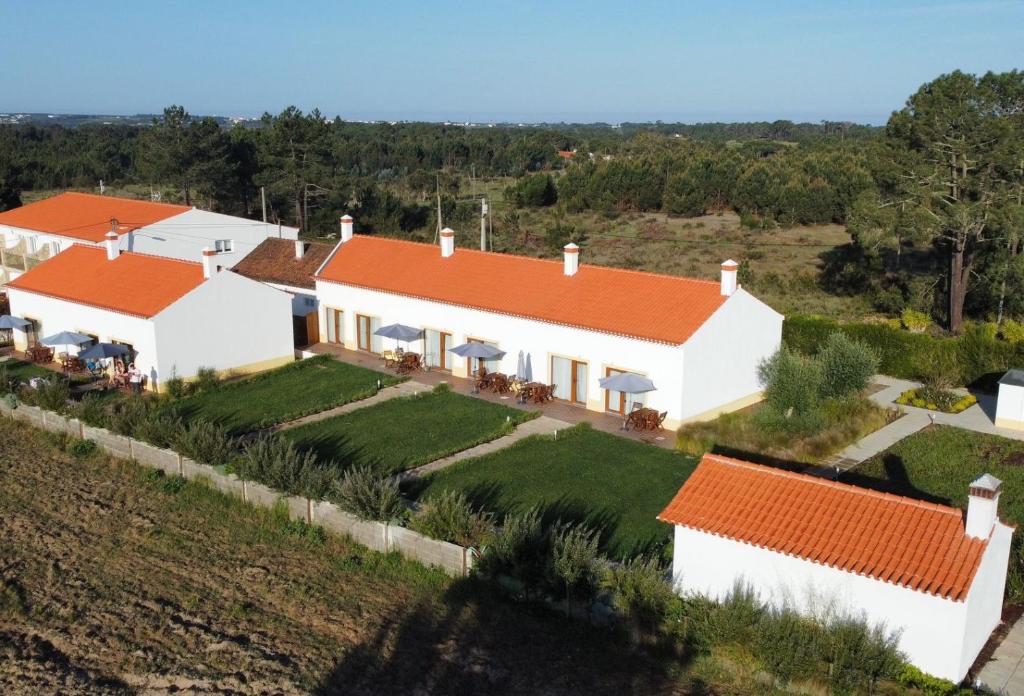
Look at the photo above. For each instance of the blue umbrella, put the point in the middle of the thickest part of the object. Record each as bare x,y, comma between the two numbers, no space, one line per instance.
65,338
9,322
529,368
521,368
627,382
399,332
478,350
103,350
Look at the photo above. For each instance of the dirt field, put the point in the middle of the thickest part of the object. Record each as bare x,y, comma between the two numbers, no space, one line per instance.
115,580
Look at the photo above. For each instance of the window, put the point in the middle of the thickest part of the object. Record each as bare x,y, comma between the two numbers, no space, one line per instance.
309,301
439,347
619,402
475,363
222,246
335,333
570,379
32,330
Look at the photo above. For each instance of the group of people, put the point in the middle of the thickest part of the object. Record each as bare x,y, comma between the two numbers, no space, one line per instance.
127,375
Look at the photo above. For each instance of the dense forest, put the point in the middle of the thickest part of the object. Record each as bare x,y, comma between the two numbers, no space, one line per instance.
934,201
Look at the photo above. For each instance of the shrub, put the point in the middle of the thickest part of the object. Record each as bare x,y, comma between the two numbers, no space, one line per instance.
205,442
640,593
574,566
847,366
860,655
520,550
911,677
789,645
206,379
51,394
159,429
1012,331
275,462
90,409
449,516
736,616
125,416
914,321
792,382
369,495
176,387
79,449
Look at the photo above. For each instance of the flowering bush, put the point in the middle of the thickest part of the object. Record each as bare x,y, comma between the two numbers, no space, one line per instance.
936,400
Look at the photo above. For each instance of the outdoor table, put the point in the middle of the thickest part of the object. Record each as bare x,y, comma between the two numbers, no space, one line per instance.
644,419
410,362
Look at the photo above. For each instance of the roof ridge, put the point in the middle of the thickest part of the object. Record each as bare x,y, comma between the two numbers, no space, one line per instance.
838,485
502,254
100,196
99,249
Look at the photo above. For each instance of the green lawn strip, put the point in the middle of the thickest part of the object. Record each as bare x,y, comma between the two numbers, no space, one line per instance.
25,371
284,394
611,483
939,462
406,432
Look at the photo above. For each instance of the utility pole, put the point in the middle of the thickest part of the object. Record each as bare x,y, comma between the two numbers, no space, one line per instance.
263,196
437,232
483,224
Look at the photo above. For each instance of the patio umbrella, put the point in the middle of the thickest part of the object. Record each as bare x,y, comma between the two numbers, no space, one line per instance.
103,350
65,338
9,322
521,368
480,351
399,332
529,368
627,383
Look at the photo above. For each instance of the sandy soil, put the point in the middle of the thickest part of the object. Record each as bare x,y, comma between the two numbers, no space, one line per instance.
116,581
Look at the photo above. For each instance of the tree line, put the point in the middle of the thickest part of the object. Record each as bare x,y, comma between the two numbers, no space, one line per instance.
933,200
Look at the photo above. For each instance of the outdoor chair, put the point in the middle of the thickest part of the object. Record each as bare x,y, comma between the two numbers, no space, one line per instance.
391,358
661,419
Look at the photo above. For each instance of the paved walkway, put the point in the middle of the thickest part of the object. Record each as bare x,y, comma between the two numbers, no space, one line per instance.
1004,673
542,425
409,388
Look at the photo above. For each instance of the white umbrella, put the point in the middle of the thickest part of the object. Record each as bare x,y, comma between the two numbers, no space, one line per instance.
627,383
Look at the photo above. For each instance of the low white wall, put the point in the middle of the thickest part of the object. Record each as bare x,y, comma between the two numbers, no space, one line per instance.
931,630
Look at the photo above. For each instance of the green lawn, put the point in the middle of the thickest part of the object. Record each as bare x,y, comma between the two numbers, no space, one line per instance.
25,370
283,394
939,462
609,482
406,432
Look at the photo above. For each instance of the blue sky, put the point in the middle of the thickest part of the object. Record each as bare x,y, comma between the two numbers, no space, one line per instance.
481,61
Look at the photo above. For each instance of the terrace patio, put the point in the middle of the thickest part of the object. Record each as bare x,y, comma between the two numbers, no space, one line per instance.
558,410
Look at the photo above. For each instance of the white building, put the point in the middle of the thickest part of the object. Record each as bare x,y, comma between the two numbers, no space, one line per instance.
925,571
700,342
1010,402
40,230
176,316
289,266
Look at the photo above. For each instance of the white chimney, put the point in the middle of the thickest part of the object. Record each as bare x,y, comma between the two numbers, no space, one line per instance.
113,251
346,228
208,255
300,248
729,270
982,506
447,242
572,259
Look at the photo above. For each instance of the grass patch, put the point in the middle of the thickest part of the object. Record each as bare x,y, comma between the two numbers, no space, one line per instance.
25,371
284,394
939,463
745,434
406,432
613,484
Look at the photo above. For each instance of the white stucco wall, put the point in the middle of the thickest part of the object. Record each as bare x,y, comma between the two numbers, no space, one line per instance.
661,363
184,236
36,240
227,322
937,635
721,358
1010,406
985,598
59,315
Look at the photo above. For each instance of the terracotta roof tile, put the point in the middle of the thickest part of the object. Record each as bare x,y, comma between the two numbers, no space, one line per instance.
135,284
273,261
662,308
87,216
907,542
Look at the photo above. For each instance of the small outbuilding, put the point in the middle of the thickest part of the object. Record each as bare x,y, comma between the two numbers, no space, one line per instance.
1010,403
928,573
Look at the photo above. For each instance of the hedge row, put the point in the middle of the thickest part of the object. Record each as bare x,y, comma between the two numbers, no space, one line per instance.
976,358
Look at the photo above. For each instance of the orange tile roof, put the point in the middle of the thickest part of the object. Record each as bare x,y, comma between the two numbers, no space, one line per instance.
86,216
906,542
662,308
135,284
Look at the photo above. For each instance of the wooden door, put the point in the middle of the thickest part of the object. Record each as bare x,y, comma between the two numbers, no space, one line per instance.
313,327
614,402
